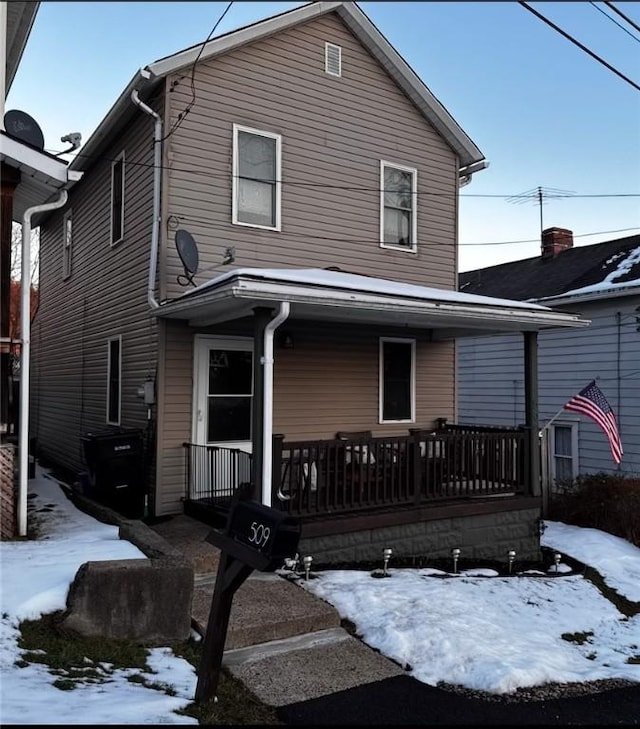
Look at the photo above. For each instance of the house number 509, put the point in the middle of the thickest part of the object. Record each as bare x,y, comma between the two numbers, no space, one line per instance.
259,534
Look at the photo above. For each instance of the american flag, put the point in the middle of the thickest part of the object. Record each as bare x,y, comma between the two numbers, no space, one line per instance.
591,402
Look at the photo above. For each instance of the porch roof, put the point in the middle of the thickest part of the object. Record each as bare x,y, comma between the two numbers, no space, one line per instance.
327,295
42,175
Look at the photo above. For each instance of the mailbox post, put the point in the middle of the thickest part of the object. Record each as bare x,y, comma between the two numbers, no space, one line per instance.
256,537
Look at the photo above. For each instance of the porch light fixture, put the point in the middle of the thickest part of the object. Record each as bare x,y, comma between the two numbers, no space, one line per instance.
386,556
556,559
286,340
511,554
455,554
306,561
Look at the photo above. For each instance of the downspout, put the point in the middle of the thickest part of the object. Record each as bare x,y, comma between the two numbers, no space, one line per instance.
157,172
25,354
267,421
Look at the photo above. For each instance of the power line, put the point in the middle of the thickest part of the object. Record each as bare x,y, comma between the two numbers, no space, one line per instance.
548,193
178,219
621,14
183,114
613,20
580,45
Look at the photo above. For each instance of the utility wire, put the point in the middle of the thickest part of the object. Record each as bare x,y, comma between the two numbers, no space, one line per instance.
577,43
613,20
183,114
622,15
177,220
548,193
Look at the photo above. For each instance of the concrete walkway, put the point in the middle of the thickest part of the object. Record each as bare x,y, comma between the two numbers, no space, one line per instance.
283,643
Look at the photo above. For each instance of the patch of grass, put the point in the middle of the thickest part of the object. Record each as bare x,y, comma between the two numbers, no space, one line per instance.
579,638
76,659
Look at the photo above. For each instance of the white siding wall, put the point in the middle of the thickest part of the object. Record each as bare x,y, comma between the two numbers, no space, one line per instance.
491,379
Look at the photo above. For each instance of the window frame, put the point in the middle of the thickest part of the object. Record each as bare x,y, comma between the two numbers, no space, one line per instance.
110,383
412,382
327,47
573,425
119,160
236,178
413,248
67,244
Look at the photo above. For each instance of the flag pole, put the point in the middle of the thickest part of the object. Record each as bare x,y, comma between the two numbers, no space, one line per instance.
557,415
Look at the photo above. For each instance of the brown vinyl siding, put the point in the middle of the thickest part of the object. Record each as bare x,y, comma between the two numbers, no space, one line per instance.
334,133
105,296
327,382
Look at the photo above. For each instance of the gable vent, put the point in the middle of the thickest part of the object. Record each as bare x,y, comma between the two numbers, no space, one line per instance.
333,59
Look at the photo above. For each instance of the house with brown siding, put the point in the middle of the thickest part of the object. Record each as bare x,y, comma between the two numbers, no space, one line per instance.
258,275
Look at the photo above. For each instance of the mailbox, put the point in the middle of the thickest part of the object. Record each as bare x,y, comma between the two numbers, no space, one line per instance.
258,535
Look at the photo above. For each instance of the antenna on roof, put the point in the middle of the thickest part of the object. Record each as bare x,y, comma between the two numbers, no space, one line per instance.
539,194
188,252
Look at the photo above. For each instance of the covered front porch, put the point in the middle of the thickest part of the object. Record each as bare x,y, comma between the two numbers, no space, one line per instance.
411,467
355,473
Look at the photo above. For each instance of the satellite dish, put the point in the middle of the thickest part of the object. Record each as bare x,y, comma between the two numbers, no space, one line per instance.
20,125
188,252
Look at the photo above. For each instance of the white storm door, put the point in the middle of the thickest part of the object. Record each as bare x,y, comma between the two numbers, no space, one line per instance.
223,391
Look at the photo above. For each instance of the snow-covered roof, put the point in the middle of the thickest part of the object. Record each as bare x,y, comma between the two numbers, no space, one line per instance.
328,295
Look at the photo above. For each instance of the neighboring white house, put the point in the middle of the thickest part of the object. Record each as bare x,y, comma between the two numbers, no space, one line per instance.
31,180
601,282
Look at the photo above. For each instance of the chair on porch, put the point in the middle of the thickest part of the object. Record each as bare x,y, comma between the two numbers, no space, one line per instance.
357,464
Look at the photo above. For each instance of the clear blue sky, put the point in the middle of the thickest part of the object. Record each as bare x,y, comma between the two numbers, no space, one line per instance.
544,112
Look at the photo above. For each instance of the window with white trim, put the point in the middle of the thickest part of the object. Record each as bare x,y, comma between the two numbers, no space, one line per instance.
117,199
398,188
563,453
256,178
332,59
114,379
67,244
397,380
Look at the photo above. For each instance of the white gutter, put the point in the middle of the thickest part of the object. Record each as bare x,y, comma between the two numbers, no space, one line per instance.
157,171
465,173
3,65
267,417
25,353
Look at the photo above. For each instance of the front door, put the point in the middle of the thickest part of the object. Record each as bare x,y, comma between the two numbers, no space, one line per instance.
223,399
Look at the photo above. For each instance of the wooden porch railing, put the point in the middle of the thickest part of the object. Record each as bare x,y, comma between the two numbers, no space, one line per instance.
341,476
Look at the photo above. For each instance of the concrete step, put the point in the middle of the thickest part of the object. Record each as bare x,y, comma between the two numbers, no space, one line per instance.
307,667
265,608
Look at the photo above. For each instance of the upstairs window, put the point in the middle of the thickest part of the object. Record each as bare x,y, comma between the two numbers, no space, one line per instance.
398,187
117,199
114,385
256,178
397,380
332,59
67,244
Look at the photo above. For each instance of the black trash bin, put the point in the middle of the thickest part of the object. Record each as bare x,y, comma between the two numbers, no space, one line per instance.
115,463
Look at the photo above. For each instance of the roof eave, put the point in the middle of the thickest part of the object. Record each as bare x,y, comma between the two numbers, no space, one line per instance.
194,307
589,296
20,19
140,81
360,25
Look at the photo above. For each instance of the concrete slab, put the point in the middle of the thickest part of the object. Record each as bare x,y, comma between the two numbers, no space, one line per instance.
308,667
265,608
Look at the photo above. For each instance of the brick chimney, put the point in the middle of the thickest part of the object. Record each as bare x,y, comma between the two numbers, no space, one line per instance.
556,240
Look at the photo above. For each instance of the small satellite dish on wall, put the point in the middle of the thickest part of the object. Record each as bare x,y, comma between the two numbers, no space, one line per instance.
188,252
20,125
